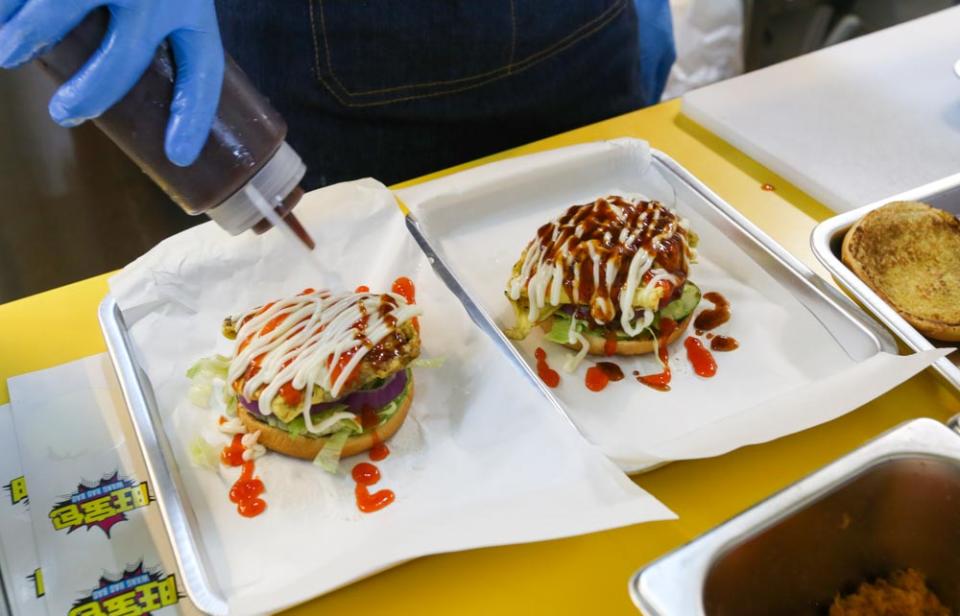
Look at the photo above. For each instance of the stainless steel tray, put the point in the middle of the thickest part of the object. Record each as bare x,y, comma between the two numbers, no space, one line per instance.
178,516
828,236
893,503
858,335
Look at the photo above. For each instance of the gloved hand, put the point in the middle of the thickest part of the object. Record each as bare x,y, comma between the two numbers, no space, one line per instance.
137,27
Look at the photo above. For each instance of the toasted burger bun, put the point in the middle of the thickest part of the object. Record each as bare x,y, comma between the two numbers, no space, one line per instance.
627,347
307,447
909,254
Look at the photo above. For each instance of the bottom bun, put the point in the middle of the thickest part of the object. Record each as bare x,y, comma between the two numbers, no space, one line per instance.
629,347
307,447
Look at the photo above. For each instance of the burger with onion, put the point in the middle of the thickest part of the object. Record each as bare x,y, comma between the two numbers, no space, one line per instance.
323,375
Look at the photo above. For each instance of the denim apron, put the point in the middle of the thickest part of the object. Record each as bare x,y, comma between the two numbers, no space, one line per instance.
397,88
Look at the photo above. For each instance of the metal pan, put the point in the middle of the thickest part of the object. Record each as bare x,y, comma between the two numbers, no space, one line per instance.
892,504
828,236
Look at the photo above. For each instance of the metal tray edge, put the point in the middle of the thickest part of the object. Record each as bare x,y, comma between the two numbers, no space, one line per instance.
161,467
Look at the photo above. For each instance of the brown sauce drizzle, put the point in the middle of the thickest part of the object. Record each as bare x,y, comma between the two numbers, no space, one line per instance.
612,370
597,227
724,344
713,317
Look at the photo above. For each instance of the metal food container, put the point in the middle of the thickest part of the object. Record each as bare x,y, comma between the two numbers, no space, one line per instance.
894,503
827,239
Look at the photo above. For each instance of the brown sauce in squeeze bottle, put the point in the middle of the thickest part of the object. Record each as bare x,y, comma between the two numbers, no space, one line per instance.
245,153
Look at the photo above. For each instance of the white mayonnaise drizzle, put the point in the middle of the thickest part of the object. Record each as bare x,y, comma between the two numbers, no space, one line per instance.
542,274
307,345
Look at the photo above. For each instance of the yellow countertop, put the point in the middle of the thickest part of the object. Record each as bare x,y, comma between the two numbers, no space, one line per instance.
585,574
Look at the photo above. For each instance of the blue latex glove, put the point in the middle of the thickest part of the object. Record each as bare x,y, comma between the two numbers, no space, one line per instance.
137,28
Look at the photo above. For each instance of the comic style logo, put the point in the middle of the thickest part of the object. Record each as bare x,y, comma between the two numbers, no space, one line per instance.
138,592
36,578
102,505
17,489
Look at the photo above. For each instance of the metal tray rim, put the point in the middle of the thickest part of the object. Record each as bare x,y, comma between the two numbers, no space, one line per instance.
161,467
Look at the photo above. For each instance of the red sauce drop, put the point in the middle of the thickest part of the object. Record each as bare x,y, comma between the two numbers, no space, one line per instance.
700,358
713,317
610,344
246,492
405,288
232,454
709,336
368,417
661,381
222,420
362,289
369,503
366,474
768,187
379,452
724,344
596,379
549,376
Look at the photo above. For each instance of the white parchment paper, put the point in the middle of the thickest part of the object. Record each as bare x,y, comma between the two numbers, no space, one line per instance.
483,459
789,373
18,549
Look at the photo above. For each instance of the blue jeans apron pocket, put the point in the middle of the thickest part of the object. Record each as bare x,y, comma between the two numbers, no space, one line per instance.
377,52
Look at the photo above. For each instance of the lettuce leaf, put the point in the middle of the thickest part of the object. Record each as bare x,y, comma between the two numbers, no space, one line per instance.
204,454
329,457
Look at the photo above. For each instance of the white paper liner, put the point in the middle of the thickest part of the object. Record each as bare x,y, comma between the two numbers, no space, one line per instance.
482,459
480,220
18,550
72,428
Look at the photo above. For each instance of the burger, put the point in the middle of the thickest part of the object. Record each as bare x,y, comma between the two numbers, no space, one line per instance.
323,375
609,277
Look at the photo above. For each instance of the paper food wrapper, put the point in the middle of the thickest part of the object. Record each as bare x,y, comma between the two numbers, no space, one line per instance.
789,373
22,577
99,535
482,459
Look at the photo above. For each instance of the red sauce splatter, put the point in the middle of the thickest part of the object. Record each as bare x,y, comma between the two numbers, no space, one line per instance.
342,362
246,493
768,187
549,376
724,344
713,317
306,291
700,358
596,379
610,344
379,452
232,454
602,374
661,380
362,289
222,420
366,474
368,417
405,288
290,394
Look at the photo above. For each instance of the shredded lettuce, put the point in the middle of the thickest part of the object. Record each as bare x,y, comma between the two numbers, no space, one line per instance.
204,454
329,457
202,375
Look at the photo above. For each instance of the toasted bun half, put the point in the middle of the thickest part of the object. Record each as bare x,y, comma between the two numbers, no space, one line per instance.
308,447
909,254
627,347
